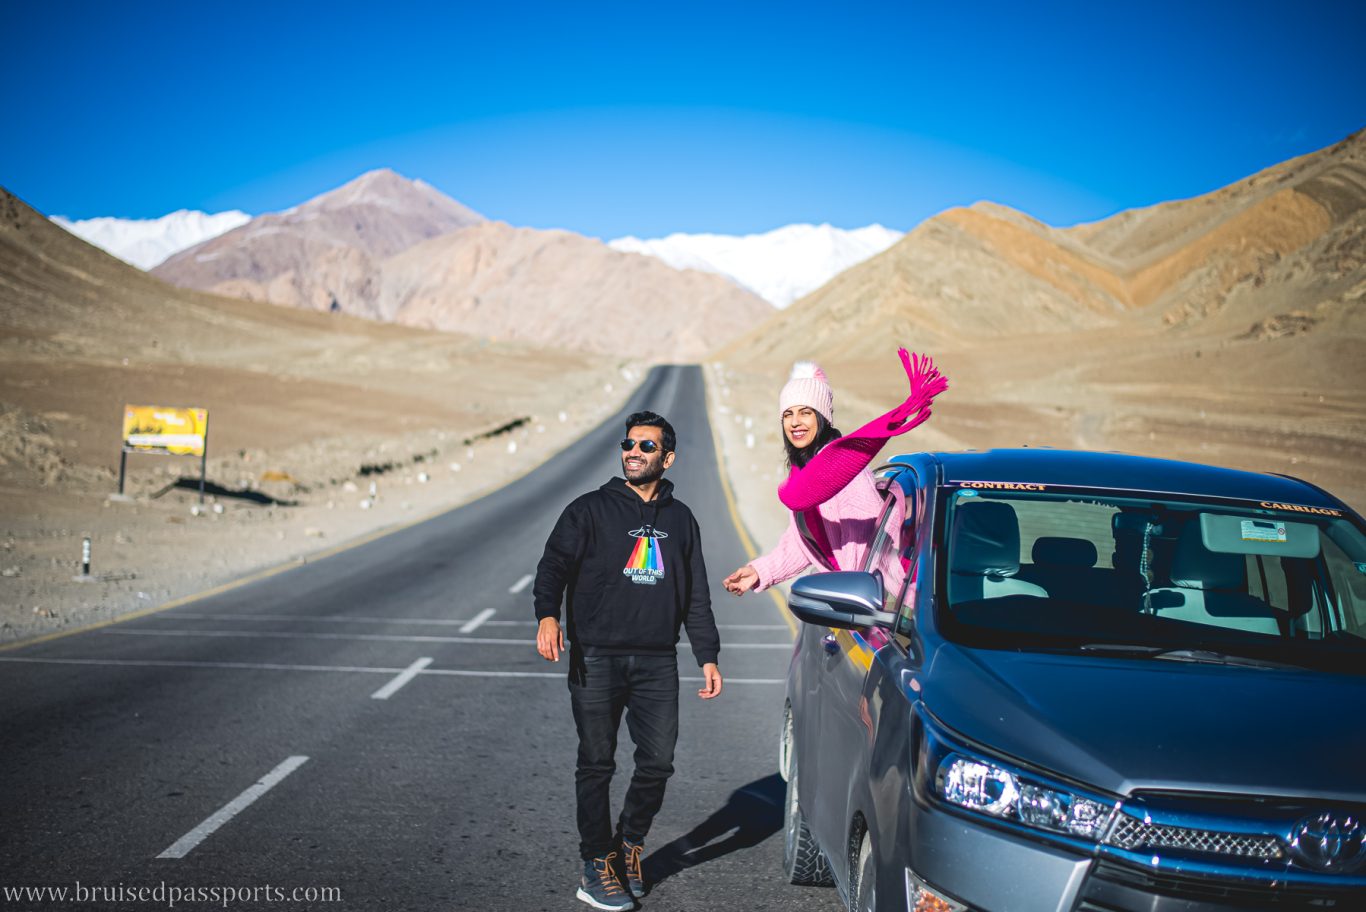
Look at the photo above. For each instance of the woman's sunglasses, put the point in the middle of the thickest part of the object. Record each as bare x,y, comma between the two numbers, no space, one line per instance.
646,446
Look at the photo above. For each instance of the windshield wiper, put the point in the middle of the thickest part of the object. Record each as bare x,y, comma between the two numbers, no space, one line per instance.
1122,648
1207,656
1211,657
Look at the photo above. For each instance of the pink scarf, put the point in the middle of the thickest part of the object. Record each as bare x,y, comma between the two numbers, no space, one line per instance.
840,460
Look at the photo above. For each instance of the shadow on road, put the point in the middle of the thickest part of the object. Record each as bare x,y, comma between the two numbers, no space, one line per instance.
749,816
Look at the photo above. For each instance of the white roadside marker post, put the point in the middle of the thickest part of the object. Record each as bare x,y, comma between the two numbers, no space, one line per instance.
84,576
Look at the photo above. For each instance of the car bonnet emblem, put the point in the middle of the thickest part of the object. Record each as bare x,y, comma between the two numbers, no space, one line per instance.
1330,842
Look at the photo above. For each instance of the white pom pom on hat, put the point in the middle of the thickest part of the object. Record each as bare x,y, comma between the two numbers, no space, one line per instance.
807,370
808,386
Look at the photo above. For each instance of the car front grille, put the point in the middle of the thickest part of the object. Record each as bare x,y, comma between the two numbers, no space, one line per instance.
1113,887
1134,834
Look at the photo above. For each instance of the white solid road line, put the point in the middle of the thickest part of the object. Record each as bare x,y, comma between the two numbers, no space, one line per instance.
434,622
320,618
521,584
185,663
388,690
478,620
532,623
751,627
185,844
292,635
353,669
383,637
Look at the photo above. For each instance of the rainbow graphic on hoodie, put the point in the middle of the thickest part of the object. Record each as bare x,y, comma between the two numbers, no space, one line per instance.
646,565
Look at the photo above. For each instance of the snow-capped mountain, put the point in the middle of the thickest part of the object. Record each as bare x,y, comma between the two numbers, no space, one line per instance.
147,242
779,266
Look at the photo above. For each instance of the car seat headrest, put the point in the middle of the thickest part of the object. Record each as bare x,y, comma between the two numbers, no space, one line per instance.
1065,552
1196,567
986,539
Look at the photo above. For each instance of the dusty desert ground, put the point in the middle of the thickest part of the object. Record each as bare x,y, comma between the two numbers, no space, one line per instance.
269,505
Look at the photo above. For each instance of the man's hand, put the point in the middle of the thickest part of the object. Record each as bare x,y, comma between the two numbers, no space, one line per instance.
711,678
741,581
550,640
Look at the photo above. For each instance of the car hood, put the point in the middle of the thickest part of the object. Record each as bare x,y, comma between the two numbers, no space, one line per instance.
1127,725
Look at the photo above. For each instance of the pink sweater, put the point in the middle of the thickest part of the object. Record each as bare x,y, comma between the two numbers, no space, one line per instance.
837,483
850,522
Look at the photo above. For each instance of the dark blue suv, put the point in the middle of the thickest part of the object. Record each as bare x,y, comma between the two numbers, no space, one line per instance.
1110,684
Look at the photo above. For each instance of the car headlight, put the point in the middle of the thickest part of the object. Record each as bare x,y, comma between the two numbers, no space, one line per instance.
1008,792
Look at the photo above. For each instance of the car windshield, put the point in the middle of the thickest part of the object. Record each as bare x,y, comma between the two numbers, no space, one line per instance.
1161,578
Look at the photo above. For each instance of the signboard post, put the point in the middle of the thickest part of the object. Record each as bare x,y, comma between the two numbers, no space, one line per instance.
165,431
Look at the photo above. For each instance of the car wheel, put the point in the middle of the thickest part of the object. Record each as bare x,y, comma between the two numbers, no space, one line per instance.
803,862
865,891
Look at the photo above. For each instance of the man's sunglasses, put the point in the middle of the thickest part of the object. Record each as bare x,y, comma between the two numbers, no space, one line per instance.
646,446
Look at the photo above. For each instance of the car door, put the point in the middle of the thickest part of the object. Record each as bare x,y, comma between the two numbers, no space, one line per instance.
892,689
846,729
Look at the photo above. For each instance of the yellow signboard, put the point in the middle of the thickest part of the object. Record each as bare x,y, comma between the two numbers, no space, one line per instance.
172,431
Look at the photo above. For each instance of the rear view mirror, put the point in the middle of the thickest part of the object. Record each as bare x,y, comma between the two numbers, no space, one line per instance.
847,599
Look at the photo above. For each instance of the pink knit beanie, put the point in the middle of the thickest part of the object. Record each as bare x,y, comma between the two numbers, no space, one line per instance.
808,386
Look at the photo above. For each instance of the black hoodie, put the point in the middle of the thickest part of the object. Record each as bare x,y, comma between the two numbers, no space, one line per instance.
634,575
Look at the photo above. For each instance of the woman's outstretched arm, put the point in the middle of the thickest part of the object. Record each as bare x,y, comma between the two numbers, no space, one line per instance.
840,460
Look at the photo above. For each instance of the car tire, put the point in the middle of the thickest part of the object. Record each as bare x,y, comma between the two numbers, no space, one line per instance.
803,862
865,890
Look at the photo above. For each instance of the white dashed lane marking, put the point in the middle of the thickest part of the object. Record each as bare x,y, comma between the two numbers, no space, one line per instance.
478,620
412,671
521,584
186,844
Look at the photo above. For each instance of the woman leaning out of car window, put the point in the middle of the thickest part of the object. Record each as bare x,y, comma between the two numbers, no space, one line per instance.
829,489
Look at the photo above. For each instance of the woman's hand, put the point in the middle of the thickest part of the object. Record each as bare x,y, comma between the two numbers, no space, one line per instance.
741,581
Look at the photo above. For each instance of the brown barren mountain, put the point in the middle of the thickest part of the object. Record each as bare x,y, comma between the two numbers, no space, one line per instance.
301,406
559,288
387,248
1229,328
322,255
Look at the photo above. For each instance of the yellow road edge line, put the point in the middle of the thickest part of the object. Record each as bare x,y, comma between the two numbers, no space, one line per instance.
364,539
750,551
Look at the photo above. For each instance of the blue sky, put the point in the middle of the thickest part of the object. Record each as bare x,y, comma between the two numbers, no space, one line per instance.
617,118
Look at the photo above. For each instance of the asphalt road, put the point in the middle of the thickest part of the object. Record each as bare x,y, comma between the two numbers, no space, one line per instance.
130,755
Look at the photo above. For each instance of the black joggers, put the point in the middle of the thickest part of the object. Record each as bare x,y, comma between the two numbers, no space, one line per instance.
600,688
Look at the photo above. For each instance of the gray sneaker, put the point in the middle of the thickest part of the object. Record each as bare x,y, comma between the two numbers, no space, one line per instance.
600,887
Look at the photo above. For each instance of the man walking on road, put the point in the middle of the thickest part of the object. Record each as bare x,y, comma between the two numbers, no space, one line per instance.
630,558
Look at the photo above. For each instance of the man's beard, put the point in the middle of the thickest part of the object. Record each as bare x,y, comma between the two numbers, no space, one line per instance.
653,470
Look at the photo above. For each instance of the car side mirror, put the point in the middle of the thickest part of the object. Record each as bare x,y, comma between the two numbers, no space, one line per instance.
843,598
